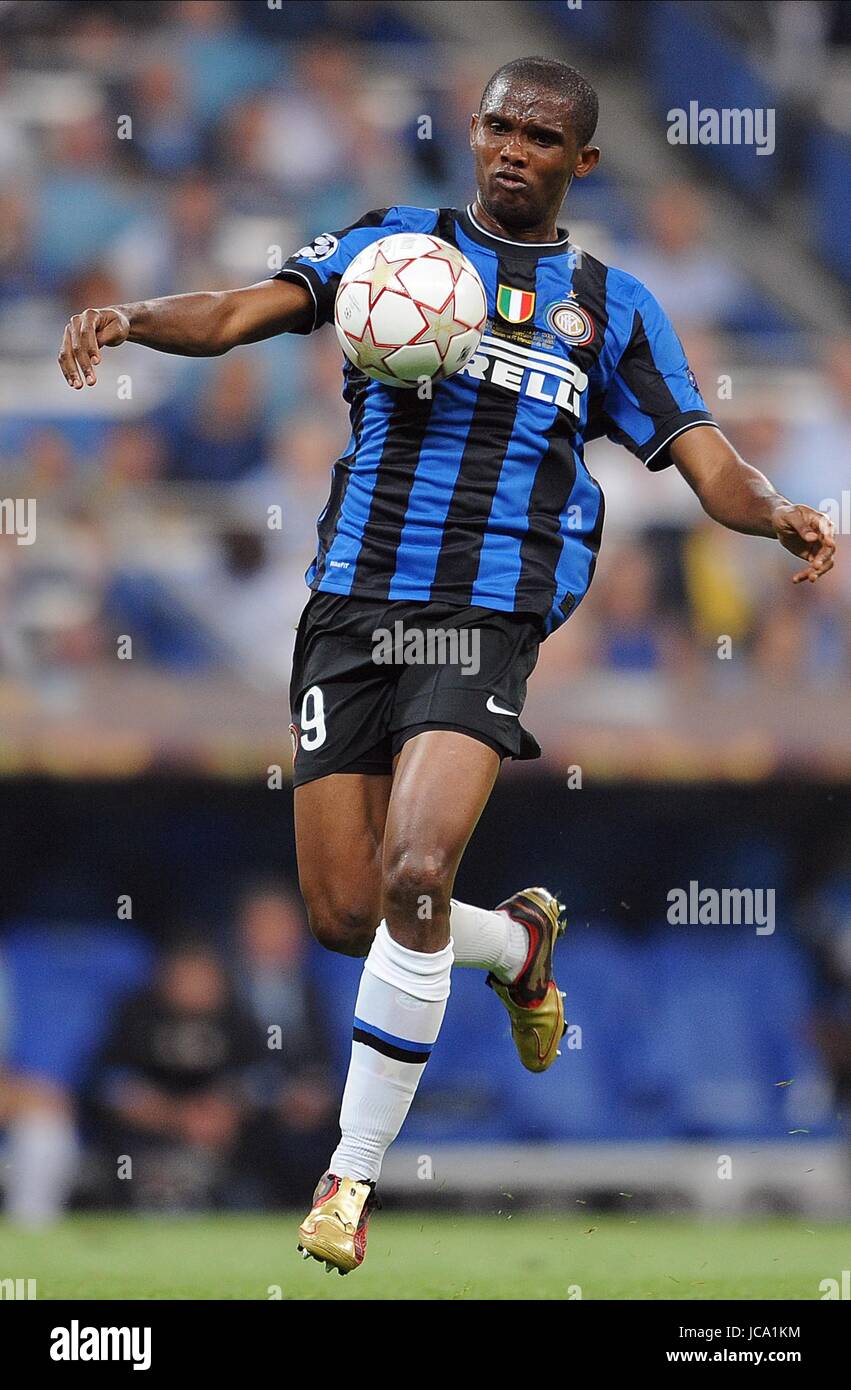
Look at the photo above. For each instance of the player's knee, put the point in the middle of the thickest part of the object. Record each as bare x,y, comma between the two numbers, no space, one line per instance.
417,885
347,931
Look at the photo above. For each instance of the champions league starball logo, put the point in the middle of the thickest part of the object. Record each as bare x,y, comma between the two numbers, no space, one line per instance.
570,322
320,248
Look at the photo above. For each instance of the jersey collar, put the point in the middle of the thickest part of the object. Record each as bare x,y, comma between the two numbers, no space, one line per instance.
505,246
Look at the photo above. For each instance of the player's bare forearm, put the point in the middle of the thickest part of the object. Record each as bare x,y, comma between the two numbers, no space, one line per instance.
206,324
741,498
730,490
191,325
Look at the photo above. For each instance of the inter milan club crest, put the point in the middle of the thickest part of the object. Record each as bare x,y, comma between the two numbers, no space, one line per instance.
570,321
515,306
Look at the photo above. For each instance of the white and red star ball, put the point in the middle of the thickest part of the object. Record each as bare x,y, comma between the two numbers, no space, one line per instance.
410,306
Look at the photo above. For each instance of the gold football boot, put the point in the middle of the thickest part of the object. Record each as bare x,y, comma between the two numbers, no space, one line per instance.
334,1230
534,1002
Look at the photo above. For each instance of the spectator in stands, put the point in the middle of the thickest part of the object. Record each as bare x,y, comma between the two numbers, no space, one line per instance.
243,604
825,923
814,459
167,131
297,478
632,636
18,276
182,228
298,1121
696,282
133,456
172,1086
225,436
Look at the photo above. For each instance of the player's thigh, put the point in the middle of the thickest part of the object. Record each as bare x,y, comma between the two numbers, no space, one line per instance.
441,784
339,829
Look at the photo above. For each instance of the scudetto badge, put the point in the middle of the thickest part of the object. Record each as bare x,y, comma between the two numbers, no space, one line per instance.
571,322
294,737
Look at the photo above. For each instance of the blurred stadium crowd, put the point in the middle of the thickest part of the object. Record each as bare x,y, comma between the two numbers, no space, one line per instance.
158,1083
253,129
201,1065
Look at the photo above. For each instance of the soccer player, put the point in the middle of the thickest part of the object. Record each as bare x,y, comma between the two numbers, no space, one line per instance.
471,511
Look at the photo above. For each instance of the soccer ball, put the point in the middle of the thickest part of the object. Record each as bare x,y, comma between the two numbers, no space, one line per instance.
409,307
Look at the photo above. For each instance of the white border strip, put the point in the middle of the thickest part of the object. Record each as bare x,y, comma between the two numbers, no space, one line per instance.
562,241
692,424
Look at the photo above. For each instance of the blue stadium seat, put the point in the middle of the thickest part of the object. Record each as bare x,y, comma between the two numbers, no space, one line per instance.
585,1095
64,982
728,1020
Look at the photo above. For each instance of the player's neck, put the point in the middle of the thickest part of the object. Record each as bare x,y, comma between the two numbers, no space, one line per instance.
544,231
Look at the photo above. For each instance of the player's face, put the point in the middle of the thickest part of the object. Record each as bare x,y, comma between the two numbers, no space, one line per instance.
526,151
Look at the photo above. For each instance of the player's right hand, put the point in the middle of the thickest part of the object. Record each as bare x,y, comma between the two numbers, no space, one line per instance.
85,335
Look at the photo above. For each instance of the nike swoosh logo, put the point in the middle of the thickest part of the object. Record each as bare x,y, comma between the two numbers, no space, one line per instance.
497,709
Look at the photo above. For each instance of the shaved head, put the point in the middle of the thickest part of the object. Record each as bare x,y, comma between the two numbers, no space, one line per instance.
556,79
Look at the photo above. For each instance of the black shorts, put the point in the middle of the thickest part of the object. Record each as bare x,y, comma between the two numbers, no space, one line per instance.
368,674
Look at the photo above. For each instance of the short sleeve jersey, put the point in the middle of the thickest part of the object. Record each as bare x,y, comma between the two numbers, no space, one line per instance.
479,494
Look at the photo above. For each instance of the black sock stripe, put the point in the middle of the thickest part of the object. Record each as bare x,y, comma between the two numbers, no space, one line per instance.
399,1054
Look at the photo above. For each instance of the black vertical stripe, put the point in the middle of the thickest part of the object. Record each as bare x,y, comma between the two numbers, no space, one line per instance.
541,546
491,427
555,477
406,430
638,369
444,227
589,286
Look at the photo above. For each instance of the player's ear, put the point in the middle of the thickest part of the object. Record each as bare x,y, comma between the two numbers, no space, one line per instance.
474,125
587,159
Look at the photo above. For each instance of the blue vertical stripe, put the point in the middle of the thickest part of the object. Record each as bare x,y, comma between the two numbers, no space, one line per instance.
345,548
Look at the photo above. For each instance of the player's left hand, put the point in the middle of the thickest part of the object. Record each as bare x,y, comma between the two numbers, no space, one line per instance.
809,535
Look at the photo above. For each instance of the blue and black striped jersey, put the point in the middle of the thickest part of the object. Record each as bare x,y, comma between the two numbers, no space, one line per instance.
480,495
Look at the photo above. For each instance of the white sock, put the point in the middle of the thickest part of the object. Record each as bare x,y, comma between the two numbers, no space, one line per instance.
400,1007
488,940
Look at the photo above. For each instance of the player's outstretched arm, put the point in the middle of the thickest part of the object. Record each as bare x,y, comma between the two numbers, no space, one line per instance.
191,325
739,496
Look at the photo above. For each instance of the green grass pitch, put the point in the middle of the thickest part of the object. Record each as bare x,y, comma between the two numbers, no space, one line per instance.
540,1256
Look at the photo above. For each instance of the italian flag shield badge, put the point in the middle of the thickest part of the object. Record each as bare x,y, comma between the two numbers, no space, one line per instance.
515,305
